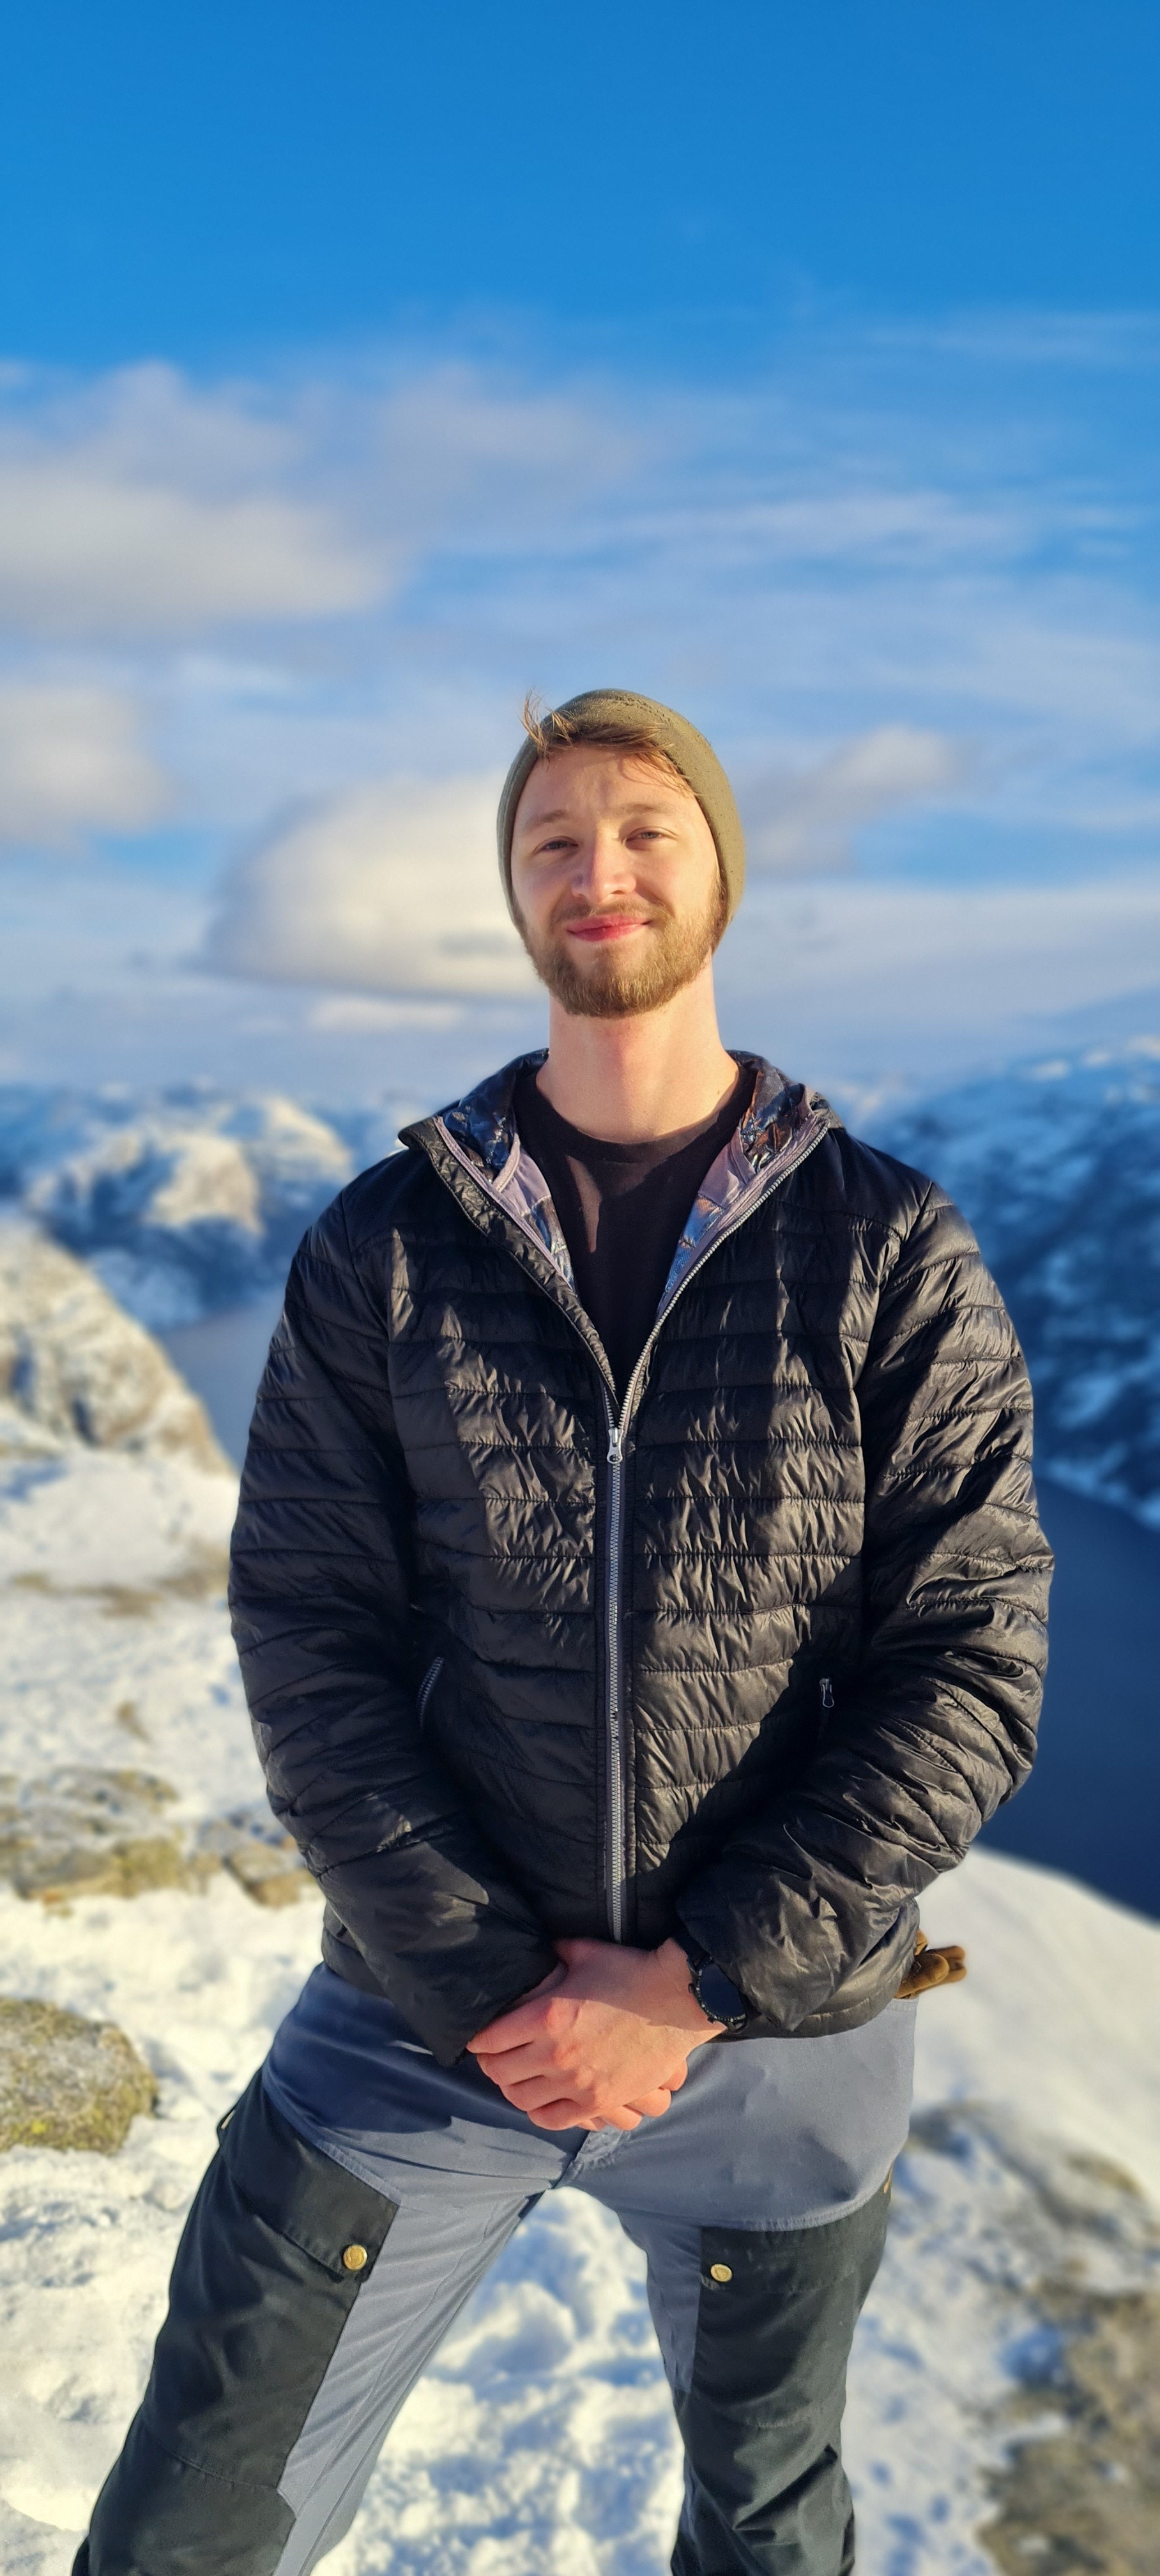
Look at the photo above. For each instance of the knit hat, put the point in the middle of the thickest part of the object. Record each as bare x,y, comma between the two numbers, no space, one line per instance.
684,746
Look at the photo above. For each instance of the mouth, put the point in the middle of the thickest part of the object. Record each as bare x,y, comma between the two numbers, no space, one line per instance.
597,932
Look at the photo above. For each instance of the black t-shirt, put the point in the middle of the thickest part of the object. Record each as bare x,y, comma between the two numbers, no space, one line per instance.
622,1207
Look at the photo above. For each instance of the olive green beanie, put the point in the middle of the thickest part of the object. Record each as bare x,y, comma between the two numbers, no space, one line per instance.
683,745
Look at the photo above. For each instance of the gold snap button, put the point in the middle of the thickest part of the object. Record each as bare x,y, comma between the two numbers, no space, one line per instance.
354,2258
720,2272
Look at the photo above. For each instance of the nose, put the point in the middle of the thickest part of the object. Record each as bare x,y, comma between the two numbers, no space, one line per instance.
603,870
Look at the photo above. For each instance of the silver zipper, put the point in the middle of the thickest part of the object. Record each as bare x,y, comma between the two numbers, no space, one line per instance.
616,1865
617,1848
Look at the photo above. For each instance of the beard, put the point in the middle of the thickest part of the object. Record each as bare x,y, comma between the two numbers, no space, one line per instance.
610,988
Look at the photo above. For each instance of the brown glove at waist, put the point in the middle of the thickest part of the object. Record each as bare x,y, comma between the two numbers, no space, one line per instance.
945,1966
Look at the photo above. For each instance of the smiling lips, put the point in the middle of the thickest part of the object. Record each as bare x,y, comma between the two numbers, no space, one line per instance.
608,926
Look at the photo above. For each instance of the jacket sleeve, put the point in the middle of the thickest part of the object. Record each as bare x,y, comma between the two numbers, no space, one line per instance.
319,1592
936,1728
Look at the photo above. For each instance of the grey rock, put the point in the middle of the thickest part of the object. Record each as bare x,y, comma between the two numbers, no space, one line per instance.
74,1367
80,1831
1071,2250
67,2082
263,1859
86,1832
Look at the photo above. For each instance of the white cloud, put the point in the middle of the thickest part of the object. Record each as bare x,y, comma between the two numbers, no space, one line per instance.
803,821
391,889
72,762
142,508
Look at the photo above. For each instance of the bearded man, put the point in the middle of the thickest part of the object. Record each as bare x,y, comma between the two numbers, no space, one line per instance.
640,1597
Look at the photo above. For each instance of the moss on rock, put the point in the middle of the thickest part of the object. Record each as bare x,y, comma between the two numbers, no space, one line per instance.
67,2082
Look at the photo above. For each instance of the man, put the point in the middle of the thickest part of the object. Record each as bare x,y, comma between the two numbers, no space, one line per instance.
640,1598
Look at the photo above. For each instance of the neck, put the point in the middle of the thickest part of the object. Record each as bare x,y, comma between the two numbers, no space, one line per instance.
631,1080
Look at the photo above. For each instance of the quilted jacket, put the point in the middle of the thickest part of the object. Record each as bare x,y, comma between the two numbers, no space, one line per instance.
760,1648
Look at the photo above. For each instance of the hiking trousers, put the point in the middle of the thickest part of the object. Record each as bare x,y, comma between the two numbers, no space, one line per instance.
313,2283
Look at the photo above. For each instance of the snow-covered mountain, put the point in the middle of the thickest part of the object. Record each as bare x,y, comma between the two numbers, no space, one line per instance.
186,1200
1057,1166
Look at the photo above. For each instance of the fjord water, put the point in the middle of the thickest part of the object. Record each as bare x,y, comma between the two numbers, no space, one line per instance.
1091,1805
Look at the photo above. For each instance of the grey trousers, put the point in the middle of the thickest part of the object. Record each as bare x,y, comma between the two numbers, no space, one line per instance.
313,2283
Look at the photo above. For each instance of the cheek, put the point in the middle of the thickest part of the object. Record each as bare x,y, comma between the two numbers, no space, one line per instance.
527,898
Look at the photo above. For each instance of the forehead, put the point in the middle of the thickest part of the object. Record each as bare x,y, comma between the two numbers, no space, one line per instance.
592,775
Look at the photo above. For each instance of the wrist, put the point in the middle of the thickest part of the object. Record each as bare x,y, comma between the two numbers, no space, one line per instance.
682,2008
713,1991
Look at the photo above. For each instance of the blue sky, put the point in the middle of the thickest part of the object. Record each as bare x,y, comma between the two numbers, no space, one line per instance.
360,368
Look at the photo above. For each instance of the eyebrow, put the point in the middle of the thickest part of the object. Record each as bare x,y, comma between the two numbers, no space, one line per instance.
559,814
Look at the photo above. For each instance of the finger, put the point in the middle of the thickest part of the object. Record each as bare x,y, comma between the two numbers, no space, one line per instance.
578,2115
509,2029
507,2065
530,2092
539,2054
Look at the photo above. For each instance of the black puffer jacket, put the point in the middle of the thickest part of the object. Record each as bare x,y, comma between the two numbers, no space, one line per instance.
764,1649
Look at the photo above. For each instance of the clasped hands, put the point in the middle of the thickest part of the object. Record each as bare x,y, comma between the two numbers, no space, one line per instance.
603,2042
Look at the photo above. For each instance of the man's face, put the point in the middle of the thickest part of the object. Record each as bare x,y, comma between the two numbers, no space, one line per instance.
616,882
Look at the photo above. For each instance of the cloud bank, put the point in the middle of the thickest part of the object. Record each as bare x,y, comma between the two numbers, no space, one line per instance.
392,889
141,509
908,585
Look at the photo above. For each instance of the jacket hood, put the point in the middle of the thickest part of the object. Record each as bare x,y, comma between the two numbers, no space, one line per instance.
782,1124
483,1123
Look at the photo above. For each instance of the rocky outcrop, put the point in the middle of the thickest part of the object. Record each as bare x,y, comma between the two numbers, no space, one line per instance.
1064,2251
66,2082
85,1832
80,1831
76,1368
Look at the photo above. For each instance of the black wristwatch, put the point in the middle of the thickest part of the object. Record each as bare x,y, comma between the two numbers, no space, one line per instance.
719,1999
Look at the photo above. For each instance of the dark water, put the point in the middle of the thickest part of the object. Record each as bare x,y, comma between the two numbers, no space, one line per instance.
222,1360
1092,1805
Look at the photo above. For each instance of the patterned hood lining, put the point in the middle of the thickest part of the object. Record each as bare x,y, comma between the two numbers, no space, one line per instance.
783,1121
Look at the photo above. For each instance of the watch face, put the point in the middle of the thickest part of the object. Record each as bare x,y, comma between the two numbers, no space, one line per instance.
719,1997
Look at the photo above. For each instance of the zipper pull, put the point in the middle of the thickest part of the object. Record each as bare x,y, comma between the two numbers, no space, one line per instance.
615,1446
826,1691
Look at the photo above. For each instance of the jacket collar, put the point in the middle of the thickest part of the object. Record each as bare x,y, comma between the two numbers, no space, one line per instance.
784,1120
484,1121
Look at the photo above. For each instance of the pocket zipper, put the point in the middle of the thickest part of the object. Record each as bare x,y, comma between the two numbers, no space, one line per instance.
426,1687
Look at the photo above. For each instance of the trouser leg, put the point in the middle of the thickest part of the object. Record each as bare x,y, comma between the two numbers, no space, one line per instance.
280,2365
755,2328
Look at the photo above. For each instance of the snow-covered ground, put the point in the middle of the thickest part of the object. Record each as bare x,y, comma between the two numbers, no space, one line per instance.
541,2443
